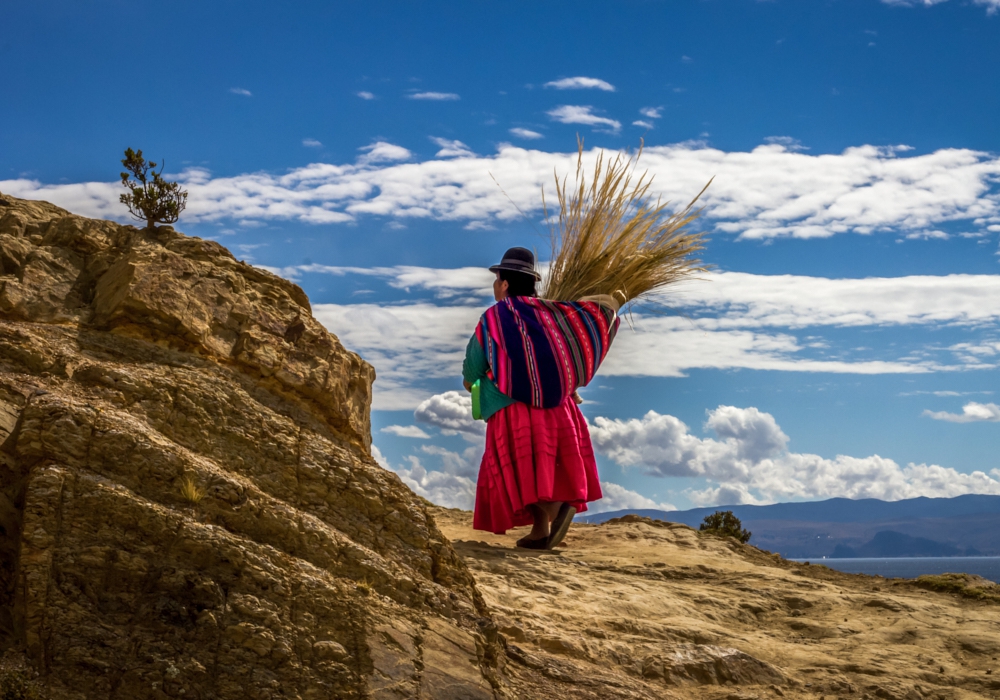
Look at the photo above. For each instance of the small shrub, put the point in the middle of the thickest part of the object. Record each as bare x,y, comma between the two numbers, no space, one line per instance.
725,524
150,198
191,491
16,684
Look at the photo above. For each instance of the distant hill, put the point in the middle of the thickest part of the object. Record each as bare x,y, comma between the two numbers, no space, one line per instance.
895,544
816,529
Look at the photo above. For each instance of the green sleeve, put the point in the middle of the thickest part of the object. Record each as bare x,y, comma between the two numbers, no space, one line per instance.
474,369
475,365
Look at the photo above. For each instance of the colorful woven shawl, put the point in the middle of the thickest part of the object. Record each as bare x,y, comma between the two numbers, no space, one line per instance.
541,351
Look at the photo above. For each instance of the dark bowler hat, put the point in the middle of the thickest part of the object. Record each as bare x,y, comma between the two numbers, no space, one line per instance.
518,260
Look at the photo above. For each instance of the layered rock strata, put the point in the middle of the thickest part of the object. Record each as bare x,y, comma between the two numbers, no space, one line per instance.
188,505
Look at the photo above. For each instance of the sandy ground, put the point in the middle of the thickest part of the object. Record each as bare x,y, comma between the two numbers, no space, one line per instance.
646,609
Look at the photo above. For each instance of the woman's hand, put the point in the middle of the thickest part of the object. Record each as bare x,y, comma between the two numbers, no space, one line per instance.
468,385
577,398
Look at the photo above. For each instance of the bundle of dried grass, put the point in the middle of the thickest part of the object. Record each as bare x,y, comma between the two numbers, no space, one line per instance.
612,239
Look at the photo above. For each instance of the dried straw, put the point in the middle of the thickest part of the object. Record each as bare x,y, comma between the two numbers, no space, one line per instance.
612,239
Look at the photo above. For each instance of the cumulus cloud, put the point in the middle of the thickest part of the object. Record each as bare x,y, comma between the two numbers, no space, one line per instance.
525,133
581,114
749,462
365,95
644,124
311,143
652,112
451,148
439,96
579,83
408,431
771,191
408,344
241,91
972,412
451,412
382,152
452,486
464,464
620,498
440,487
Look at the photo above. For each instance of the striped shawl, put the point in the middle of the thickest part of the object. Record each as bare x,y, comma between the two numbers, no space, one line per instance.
541,351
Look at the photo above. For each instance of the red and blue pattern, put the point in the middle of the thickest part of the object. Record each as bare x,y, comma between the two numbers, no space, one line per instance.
541,351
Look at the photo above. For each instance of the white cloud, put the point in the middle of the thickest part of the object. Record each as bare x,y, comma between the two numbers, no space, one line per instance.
745,300
579,83
439,96
407,344
786,142
311,143
771,191
739,300
927,236
644,124
620,498
451,487
451,149
241,91
465,464
971,412
580,114
991,5
525,133
736,321
413,343
444,282
407,431
382,152
451,412
365,95
652,112
750,462
442,488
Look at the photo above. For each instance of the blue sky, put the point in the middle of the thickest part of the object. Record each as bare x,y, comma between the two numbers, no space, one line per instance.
846,343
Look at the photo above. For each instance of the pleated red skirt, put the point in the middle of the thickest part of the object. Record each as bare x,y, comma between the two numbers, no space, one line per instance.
534,455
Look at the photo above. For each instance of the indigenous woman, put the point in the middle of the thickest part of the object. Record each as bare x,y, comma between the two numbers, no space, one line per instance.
523,366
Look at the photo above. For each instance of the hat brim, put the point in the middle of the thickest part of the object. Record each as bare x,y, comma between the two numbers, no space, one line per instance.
509,268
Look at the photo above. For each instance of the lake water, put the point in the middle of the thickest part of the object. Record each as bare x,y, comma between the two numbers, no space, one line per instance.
911,567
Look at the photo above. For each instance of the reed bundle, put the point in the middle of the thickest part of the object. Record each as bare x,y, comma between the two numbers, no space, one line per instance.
611,238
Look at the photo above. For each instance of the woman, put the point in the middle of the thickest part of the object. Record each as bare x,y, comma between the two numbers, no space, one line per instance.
523,366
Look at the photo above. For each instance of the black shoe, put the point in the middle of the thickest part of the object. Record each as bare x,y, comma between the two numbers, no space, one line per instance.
560,525
540,543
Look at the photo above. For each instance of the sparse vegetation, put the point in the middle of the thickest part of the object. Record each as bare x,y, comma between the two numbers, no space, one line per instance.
16,684
966,585
191,490
725,524
150,198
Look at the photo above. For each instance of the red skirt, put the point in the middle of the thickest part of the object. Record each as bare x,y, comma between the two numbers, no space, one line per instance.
534,455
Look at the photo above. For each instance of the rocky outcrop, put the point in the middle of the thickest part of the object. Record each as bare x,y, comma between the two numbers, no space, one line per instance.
188,506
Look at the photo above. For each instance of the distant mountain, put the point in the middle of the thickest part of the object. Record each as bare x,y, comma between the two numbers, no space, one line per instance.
895,544
817,529
834,510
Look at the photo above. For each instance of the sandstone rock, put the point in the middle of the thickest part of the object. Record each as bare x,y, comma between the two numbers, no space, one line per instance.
188,505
